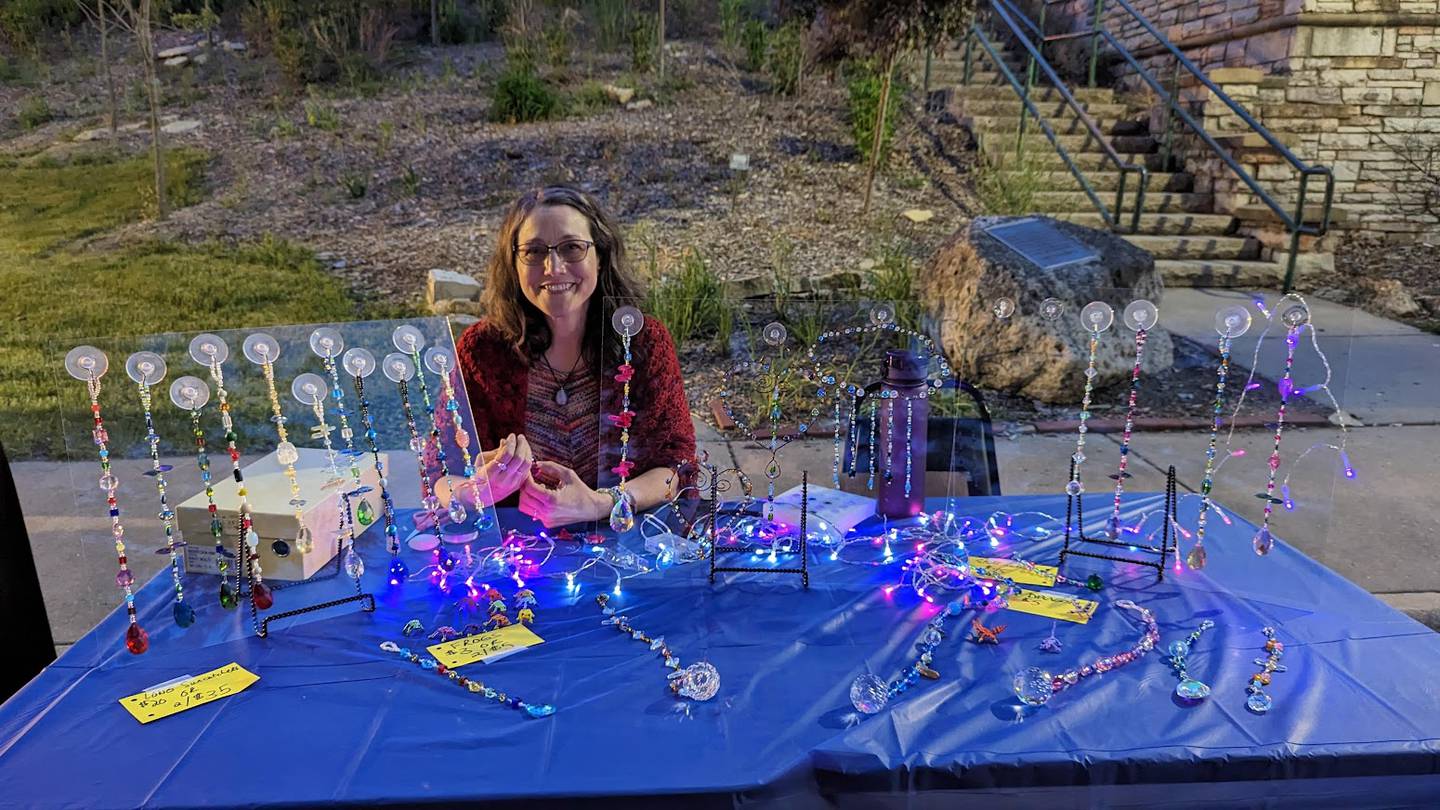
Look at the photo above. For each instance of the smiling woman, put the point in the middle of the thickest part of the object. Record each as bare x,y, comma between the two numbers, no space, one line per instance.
535,369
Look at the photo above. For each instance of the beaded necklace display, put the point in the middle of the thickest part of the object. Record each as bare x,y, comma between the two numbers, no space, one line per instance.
1140,316
1259,701
869,694
310,389
360,363
147,369
211,351
441,362
1035,686
473,685
88,364
1230,322
400,369
1096,317
263,350
190,394
698,681
628,322
328,344
1189,689
410,341
1294,318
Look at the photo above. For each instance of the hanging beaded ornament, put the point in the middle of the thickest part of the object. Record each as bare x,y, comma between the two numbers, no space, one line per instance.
400,370
697,682
1230,322
474,686
360,363
628,322
441,362
1035,686
1140,316
777,375
263,350
1189,689
869,694
1259,701
1096,317
211,351
190,394
310,389
410,341
1295,317
327,344
148,369
88,364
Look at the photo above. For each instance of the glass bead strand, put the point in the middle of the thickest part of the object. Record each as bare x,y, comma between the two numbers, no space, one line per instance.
1196,558
1130,407
1263,540
287,454
1075,487
184,614
137,640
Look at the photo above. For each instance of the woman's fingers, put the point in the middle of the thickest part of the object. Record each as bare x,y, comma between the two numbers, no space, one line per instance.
558,472
522,449
507,453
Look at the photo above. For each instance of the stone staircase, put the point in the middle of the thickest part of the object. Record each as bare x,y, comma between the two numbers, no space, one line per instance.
1192,245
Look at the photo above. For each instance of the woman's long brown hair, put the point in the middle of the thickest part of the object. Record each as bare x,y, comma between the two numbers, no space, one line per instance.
508,309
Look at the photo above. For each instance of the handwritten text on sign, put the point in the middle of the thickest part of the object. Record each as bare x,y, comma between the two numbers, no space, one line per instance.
470,649
1021,573
189,693
1052,605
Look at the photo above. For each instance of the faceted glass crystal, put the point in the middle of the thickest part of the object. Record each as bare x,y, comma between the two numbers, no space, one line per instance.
354,566
1259,703
1196,558
365,513
1033,686
137,640
304,541
1191,689
699,681
184,614
1263,542
286,453
622,516
541,710
260,596
457,511
227,596
1074,488
868,694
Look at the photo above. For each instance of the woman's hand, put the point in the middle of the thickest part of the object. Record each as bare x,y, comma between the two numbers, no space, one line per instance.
554,495
503,470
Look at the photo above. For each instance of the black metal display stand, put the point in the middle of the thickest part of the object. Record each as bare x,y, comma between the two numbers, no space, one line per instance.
1075,536
716,549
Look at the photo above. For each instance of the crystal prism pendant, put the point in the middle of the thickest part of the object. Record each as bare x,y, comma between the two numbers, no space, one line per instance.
622,516
365,513
1034,686
868,694
457,511
1192,690
354,566
484,521
1263,542
137,640
304,541
1196,558
1259,703
227,596
260,596
541,710
184,614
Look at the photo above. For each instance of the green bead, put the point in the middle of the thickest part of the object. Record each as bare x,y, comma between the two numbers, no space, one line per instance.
1094,583
230,436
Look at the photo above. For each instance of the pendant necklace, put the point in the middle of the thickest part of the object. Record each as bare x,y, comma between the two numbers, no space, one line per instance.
562,396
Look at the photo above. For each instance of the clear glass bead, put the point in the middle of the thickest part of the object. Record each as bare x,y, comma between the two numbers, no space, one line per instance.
286,453
868,694
1033,686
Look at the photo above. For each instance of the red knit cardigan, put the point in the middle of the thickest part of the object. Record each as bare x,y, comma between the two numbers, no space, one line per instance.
497,380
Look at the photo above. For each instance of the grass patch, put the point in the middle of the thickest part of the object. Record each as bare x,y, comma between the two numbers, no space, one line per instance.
686,296
1008,189
57,296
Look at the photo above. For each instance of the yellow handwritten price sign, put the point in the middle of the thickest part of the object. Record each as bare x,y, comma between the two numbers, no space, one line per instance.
470,649
1052,605
189,693
1019,572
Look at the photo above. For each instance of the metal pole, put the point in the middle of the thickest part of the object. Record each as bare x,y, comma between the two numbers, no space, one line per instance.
1095,38
1170,118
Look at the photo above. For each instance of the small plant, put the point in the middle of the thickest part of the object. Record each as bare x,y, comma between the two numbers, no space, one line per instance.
410,181
34,111
384,137
687,298
588,98
732,22
610,17
521,96
865,88
755,42
892,280
355,184
560,39
319,114
1008,189
643,43
786,59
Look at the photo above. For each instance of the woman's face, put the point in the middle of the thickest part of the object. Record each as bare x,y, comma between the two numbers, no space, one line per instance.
558,287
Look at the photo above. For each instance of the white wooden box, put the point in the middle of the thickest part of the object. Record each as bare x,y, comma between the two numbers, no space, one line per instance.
271,514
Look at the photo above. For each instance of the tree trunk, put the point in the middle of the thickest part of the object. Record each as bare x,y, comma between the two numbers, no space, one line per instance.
879,133
434,22
100,11
152,86
660,41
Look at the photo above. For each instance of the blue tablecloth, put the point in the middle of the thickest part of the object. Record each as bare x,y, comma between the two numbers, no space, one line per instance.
334,720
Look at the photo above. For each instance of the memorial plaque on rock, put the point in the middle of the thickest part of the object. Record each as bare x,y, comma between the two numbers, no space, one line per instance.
1041,243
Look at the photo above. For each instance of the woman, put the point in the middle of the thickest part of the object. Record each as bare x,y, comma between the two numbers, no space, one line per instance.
539,369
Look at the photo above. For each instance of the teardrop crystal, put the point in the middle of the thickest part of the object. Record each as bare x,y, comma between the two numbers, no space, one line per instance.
457,511
227,596
1196,558
1263,542
354,566
304,541
622,516
137,640
365,513
184,614
260,595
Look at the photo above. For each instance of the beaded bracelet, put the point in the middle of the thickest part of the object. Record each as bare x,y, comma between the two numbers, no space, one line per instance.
148,369
1035,686
1259,701
89,364
1188,689
475,686
698,681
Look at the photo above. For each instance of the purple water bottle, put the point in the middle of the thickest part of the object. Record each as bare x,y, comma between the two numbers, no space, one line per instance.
902,458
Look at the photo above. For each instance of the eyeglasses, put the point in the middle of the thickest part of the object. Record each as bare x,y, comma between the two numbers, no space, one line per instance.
571,251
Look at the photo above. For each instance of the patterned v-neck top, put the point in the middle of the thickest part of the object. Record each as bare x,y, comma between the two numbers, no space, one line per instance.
567,434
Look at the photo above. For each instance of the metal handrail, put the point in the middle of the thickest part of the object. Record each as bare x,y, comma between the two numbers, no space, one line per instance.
1027,105
1295,224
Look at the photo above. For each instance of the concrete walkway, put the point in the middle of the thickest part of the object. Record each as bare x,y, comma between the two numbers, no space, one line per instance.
1378,530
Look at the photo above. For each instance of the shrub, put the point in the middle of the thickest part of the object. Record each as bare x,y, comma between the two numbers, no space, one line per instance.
786,58
865,86
588,98
755,40
33,112
732,22
520,96
1008,189
643,43
355,184
23,23
687,298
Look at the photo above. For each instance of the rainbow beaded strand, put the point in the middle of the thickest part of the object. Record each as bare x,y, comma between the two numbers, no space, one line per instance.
184,614
217,526
697,681
1120,475
1196,558
1263,541
229,594
398,570
1258,700
536,710
287,454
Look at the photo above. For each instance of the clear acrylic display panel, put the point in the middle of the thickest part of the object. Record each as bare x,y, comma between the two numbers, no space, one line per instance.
79,582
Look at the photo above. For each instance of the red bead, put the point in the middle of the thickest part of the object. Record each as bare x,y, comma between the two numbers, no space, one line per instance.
137,640
260,595
440,668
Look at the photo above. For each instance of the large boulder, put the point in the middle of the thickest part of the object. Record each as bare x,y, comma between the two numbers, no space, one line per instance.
1026,353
